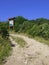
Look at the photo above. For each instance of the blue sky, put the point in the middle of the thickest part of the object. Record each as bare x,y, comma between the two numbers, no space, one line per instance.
30,9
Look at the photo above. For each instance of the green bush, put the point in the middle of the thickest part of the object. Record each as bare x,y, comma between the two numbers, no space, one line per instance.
4,32
38,27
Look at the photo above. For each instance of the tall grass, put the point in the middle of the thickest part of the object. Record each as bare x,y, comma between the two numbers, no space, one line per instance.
4,49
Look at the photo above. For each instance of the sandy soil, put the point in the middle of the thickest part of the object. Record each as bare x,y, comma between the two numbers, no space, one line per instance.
35,53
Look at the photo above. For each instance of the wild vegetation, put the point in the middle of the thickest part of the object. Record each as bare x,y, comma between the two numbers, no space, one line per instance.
38,27
5,46
35,28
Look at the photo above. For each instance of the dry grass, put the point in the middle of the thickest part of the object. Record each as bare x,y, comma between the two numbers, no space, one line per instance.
20,41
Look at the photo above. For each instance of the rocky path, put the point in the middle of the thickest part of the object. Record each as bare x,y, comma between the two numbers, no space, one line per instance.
35,53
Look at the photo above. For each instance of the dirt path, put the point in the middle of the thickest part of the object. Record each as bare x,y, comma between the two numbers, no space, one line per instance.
35,53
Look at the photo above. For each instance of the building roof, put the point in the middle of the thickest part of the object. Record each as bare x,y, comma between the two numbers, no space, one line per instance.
11,18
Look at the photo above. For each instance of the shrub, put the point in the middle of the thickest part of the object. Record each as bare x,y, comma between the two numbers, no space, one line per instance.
4,32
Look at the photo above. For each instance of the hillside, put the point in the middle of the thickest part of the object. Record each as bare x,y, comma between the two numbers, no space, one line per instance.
38,27
35,28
